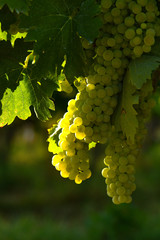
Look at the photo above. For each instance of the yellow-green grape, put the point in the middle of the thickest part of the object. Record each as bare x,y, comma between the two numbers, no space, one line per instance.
86,44
149,40
136,8
146,48
138,51
121,4
106,3
142,2
108,55
129,21
141,17
116,63
130,33
115,12
137,40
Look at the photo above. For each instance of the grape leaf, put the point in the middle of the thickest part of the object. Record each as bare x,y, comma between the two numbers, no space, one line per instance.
7,17
52,25
10,70
3,34
88,19
53,139
141,69
17,103
156,47
125,118
17,5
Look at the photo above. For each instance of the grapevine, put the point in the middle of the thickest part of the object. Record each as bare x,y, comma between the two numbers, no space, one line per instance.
128,32
108,51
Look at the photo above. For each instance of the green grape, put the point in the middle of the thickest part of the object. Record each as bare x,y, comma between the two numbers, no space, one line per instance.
150,16
111,42
100,50
118,38
121,4
115,12
150,6
73,128
106,3
108,55
101,93
121,28
78,121
127,51
138,51
106,79
97,101
141,17
117,53
90,87
117,20
101,70
143,25
108,18
91,116
130,33
146,48
86,108
116,63
142,2
136,8
92,93
109,91
129,21
139,31
86,44
149,40
137,40
150,32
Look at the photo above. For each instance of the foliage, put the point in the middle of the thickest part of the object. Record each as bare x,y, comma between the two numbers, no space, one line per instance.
53,33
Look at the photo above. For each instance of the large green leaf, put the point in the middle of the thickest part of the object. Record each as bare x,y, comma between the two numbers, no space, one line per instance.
17,103
10,59
54,138
88,20
126,119
140,69
52,25
156,47
3,34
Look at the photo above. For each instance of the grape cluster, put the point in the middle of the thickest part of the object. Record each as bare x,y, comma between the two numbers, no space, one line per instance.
129,30
135,24
73,159
120,168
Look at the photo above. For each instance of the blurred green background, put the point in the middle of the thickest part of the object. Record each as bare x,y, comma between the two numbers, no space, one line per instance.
37,204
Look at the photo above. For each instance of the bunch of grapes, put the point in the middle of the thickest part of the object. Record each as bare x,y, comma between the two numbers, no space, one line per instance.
120,168
129,30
